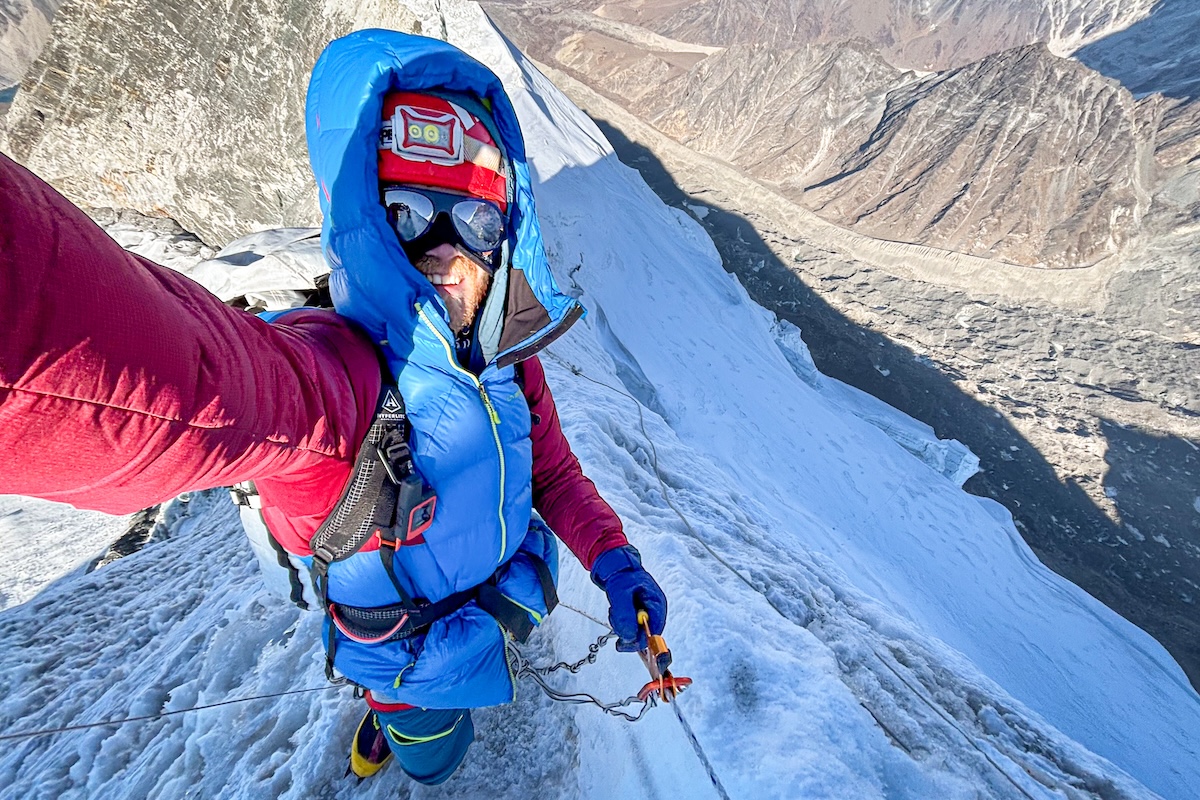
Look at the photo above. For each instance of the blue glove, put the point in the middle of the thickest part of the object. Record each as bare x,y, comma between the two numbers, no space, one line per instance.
629,588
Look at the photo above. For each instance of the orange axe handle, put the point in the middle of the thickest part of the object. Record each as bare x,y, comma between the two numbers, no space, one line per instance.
660,655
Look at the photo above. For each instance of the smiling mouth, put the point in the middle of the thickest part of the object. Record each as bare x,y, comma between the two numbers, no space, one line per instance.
443,280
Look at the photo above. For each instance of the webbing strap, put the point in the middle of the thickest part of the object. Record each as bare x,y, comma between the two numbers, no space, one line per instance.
369,499
368,505
511,616
295,587
397,621
400,621
549,591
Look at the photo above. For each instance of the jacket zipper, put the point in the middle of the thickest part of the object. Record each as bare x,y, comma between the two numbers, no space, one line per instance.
493,417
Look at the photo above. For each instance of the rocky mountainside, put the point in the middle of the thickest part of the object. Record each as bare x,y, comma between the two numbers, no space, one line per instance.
180,110
24,29
1023,156
919,34
781,115
1079,388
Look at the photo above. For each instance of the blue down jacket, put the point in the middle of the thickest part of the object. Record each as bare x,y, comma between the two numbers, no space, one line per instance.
470,434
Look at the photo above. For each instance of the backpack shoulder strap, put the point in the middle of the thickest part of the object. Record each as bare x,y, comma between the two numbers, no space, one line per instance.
384,497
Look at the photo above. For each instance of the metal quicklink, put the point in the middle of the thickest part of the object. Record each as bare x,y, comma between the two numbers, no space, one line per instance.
521,667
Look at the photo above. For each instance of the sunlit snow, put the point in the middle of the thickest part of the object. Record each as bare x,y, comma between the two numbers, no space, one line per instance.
857,626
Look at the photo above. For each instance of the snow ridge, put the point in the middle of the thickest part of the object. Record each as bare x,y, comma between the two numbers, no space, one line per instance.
849,614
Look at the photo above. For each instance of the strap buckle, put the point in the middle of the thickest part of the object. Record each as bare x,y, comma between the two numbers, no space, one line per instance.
388,453
415,506
419,520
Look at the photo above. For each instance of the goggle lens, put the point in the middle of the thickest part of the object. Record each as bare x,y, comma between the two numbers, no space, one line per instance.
410,213
478,223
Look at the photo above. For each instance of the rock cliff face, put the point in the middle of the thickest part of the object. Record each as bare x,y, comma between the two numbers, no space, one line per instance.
1023,157
24,29
192,111
627,71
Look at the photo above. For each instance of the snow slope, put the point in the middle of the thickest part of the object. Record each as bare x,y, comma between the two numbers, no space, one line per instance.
857,625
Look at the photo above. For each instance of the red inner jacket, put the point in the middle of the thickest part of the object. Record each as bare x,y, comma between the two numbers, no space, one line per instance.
123,384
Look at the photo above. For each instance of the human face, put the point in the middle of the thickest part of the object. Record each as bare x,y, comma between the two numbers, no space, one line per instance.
460,282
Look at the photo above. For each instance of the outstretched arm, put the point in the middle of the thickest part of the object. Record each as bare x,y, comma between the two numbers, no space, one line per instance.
123,383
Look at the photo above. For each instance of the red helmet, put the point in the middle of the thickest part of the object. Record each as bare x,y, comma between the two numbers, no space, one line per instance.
428,141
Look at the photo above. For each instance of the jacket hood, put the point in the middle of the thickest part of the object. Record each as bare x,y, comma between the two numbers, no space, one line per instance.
371,280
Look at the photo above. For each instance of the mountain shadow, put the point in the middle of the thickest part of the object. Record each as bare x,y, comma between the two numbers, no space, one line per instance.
1158,54
1154,481
1068,531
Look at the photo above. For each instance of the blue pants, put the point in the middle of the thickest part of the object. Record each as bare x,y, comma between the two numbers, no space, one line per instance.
429,744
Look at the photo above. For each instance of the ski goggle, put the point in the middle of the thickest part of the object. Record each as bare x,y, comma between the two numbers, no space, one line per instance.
412,213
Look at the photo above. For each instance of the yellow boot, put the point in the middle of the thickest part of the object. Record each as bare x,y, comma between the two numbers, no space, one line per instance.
369,752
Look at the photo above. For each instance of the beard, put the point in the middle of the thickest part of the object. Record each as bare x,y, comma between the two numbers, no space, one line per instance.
464,299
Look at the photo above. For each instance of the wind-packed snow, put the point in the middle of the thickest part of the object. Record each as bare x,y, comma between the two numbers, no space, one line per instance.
27,524
857,626
946,456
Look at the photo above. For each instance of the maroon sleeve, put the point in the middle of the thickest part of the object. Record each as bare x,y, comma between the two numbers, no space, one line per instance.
123,383
562,494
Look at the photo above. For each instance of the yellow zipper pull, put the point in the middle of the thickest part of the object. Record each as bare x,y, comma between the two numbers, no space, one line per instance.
487,402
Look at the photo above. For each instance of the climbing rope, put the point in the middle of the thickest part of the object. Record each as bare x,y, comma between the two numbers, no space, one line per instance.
522,668
941,712
700,754
145,717
579,373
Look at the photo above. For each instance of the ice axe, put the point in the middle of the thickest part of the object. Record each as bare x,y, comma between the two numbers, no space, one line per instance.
657,658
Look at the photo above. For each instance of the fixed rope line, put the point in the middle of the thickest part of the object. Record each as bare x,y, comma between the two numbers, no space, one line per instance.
654,461
159,715
953,723
522,668
708,767
942,713
582,613
687,729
